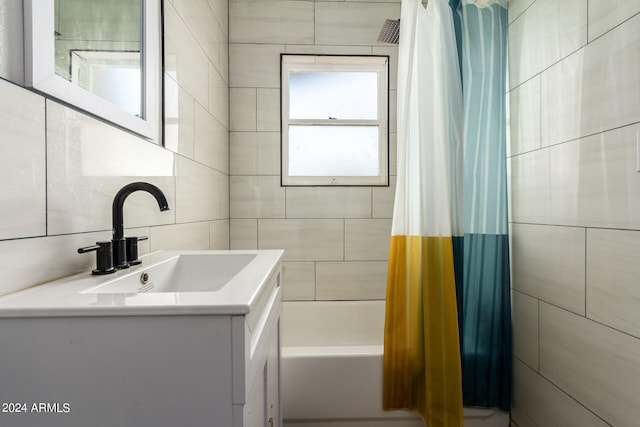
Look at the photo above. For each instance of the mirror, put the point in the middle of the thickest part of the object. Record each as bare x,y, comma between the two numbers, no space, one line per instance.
102,56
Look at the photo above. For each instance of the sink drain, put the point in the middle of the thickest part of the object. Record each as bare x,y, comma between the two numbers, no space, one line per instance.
144,278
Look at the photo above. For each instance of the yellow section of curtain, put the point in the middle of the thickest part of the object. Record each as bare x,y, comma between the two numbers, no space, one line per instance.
422,370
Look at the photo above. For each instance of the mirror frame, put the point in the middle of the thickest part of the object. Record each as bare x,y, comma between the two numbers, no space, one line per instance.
40,75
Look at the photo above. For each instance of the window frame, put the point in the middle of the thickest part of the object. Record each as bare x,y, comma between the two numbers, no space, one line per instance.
331,63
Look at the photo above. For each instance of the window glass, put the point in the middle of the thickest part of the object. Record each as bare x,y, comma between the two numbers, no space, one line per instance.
334,120
339,95
333,151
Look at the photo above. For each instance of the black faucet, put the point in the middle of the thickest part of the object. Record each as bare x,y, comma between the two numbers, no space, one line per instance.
119,243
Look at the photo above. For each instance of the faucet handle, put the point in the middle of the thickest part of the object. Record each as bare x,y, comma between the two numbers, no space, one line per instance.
132,249
104,257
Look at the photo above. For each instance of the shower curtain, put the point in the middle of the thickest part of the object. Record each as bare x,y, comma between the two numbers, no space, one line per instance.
447,329
482,256
422,369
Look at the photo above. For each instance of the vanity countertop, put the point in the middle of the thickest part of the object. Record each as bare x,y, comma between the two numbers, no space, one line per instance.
75,295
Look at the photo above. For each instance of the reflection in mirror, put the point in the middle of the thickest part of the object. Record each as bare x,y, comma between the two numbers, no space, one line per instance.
97,48
102,56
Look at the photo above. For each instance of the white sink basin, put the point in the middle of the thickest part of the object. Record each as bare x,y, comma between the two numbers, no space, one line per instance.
166,283
182,273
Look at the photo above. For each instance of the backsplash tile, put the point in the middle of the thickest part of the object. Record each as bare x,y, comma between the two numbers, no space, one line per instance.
202,192
48,258
243,233
194,235
82,177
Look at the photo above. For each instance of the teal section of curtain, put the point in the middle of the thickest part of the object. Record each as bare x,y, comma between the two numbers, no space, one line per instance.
486,322
482,255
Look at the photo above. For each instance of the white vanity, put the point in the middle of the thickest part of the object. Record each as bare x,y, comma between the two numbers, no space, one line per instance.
185,339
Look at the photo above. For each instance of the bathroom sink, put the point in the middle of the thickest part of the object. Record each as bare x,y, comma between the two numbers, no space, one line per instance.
188,282
181,273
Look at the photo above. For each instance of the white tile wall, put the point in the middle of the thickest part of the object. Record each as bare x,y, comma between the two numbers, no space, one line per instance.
330,235
243,233
549,263
351,280
537,402
595,364
65,167
352,23
179,121
575,205
255,153
329,202
194,235
548,31
595,89
190,66
29,262
243,109
257,197
219,234
219,96
268,110
197,16
525,328
211,141
61,169
245,71
613,269
303,239
524,102
275,21
83,176
606,14
22,163
202,192
298,281
367,239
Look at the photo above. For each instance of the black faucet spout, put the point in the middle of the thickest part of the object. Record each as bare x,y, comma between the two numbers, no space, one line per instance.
118,216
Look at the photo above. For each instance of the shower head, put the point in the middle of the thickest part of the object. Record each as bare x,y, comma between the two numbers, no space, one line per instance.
390,32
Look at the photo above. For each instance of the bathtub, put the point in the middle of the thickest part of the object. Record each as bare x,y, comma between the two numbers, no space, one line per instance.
332,369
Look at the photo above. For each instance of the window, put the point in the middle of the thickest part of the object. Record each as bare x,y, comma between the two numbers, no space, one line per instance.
334,120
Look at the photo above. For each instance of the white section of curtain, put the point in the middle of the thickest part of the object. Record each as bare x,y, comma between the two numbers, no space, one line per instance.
429,185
